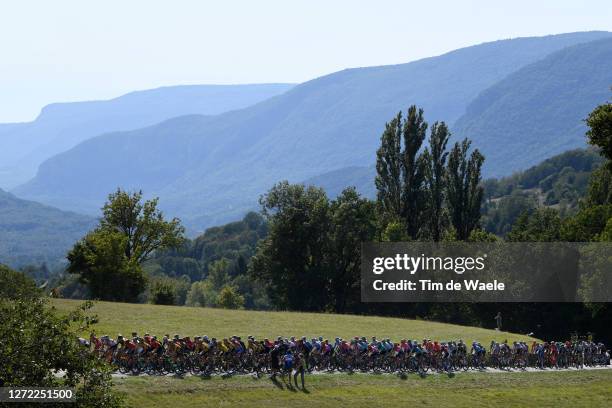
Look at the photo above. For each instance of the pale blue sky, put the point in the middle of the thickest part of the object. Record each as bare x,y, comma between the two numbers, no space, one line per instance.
66,50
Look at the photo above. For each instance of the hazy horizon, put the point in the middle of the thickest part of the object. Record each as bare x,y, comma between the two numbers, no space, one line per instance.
72,51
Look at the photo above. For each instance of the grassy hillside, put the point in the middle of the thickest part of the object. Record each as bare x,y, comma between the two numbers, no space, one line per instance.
124,318
589,389
538,111
209,172
60,126
32,233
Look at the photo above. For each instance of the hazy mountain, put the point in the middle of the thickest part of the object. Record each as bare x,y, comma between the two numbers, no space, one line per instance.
538,111
534,113
60,126
32,233
210,170
333,182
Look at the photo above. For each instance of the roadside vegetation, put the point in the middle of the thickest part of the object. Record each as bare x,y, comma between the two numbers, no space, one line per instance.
37,343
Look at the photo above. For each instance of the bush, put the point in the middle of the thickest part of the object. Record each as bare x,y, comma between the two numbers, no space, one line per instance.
162,291
229,298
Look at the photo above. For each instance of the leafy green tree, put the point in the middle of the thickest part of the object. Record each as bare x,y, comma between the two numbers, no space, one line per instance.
229,298
395,231
218,273
108,260
413,194
435,179
291,261
142,224
401,171
100,262
600,187
464,189
600,135
388,179
353,221
587,224
600,129
254,292
499,216
542,225
606,234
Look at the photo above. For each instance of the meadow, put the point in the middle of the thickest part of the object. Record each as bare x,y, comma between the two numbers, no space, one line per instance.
474,390
124,318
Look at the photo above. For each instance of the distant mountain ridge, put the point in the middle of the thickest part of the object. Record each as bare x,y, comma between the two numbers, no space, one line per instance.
540,108
61,126
32,233
209,170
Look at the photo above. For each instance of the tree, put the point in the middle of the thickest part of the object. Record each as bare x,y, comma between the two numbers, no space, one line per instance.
541,225
600,187
600,135
229,298
435,178
108,260
395,231
464,190
218,273
352,222
606,234
600,129
587,224
401,171
413,193
291,260
100,262
143,225
388,179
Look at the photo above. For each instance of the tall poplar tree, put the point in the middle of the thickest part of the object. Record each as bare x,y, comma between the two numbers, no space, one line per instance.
464,191
388,179
401,171
435,179
413,171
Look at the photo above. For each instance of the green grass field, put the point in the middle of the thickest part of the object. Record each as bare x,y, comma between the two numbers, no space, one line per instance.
531,389
124,318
